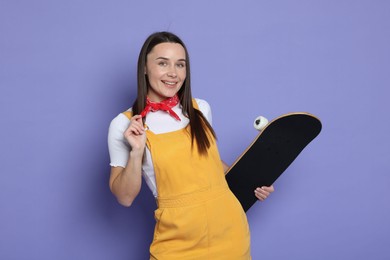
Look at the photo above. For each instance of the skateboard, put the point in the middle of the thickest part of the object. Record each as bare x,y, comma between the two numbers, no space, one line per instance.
270,154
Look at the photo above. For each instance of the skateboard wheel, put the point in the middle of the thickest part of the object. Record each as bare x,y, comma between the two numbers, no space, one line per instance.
260,122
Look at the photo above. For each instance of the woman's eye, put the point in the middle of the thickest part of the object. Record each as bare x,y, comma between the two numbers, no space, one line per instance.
181,65
162,63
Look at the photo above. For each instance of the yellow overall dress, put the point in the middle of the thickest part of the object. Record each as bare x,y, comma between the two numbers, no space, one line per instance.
198,217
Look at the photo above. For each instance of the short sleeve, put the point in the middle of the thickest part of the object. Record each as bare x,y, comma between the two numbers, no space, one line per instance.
118,146
204,107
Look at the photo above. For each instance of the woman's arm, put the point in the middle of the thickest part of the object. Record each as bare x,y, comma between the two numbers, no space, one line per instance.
125,183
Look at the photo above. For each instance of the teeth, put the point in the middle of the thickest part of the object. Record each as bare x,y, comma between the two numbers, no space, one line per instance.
169,83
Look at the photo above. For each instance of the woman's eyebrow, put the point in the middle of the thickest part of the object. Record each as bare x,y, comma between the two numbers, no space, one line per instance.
164,58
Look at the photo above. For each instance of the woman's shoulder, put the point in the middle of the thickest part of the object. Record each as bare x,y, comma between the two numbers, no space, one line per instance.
203,105
205,108
122,120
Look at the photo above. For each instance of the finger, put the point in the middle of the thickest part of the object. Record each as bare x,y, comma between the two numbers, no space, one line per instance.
261,194
269,189
137,118
136,125
132,131
137,129
263,190
258,195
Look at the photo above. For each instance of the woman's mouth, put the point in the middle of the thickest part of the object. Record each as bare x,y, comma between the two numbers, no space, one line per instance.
170,83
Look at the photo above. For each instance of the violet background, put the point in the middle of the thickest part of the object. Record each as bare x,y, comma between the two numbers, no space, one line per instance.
68,67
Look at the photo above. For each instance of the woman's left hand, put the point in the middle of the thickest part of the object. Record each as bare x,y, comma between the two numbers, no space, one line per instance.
263,192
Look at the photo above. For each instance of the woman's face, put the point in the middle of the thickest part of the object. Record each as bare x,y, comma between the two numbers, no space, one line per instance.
166,70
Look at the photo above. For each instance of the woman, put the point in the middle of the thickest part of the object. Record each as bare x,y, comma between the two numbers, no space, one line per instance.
167,137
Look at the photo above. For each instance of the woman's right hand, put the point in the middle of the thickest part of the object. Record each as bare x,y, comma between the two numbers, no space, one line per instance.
135,134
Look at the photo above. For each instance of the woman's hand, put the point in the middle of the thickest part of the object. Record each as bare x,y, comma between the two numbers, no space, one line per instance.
135,134
263,192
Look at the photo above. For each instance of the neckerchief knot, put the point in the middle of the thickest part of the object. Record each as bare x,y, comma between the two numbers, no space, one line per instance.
165,105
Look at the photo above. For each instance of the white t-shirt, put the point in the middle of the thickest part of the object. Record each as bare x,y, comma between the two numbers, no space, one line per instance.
158,122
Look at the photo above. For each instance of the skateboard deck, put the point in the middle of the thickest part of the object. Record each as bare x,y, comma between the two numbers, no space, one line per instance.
270,154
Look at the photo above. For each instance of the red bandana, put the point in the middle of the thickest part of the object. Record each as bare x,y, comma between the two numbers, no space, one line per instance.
165,105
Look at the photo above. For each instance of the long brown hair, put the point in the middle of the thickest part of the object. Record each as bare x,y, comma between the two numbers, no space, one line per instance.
201,130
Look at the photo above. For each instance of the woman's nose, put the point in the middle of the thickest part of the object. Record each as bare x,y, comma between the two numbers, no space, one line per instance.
172,73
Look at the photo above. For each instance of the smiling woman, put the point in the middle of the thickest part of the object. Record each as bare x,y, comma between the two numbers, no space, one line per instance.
167,138
166,70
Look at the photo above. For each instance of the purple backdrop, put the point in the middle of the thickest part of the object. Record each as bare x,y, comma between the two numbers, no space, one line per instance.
68,67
